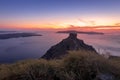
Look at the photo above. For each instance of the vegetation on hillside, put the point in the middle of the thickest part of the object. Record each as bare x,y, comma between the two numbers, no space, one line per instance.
78,65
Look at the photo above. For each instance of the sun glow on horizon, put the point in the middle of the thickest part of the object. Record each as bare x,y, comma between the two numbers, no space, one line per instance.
64,23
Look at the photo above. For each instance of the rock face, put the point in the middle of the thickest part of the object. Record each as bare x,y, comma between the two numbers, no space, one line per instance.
62,48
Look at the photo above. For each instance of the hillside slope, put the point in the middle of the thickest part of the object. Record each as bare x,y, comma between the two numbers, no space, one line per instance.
78,65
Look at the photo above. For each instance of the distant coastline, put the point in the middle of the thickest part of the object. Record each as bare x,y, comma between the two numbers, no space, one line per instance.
81,32
17,35
6,31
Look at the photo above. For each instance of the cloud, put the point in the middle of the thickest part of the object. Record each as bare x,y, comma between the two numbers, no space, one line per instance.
91,25
84,28
117,24
88,22
81,28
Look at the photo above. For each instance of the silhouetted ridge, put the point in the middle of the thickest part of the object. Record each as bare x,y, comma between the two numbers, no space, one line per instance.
70,43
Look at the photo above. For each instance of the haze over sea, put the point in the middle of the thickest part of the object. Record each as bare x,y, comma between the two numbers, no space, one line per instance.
15,49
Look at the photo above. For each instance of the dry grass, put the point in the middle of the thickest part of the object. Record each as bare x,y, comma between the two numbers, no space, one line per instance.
78,65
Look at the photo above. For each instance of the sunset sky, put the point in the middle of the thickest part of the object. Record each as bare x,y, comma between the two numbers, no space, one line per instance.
57,14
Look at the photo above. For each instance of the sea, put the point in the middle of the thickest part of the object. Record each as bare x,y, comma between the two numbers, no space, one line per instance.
17,49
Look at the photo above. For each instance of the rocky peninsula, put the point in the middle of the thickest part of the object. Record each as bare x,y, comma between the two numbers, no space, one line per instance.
69,44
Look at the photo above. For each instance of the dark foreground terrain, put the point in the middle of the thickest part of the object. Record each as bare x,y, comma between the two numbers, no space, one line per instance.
17,35
78,65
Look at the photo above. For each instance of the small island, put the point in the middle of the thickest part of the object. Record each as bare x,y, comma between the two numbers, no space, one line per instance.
17,35
81,32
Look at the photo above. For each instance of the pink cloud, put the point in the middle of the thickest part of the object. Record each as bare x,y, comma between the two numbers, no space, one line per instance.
89,22
117,24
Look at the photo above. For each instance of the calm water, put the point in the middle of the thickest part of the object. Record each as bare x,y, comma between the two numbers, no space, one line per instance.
12,50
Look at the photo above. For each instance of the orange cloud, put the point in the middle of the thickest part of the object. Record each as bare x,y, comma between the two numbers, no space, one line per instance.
117,24
93,28
87,22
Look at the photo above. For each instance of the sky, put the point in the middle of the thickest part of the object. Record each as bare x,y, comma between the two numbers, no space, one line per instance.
60,14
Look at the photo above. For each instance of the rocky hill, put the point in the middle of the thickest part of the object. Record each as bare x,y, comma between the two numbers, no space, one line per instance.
68,44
